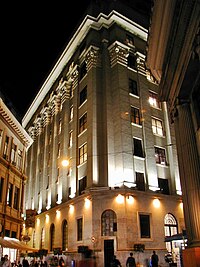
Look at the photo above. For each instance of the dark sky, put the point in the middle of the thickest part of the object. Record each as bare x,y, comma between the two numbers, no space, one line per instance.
33,35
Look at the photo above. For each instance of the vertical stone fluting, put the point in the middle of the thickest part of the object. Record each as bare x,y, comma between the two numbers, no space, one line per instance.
189,171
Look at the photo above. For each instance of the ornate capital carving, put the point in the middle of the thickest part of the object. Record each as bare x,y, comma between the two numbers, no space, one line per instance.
118,54
92,57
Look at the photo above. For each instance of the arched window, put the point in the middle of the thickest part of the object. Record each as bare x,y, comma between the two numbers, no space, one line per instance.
52,236
42,238
171,228
108,223
34,238
64,235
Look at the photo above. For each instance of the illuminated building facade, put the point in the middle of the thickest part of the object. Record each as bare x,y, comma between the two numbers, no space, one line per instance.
14,141
99,111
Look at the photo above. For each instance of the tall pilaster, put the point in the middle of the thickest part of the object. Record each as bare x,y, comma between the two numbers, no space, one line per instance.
189,170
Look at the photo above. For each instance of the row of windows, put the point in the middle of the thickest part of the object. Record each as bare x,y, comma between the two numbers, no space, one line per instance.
10,151
109,228
13,194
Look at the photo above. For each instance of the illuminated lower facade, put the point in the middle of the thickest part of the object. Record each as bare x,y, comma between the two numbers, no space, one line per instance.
98,112
14,141
111,221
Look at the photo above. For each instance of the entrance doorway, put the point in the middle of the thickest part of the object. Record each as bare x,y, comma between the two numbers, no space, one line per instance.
108,251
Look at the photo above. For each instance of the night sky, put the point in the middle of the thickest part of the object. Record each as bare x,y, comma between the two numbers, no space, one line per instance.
33,35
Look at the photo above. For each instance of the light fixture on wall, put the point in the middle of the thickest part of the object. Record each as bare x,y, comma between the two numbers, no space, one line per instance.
156,203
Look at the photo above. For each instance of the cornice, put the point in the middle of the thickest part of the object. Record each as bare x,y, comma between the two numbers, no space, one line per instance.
15,126
88,23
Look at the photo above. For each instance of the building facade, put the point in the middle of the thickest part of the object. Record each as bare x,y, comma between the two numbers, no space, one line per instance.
14,142
103,169
174,60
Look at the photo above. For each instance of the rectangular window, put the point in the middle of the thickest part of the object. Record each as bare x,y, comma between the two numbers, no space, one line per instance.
83,70
83,153
153,100
1,136
160,156
5,151
1,188
164,186
71,113
83,95
13,154
19,159
70,139
82,184
157,126
83,123
59,126
10,194
58,151
16,198
137,148
135,116
79,229
129,39
140,181
144,226
132,62
133,87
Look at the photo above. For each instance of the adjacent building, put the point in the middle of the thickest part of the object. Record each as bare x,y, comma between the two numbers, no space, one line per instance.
102,170
174,60
14,142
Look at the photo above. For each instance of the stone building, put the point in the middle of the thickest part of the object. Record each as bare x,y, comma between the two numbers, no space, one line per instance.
14,142
103,170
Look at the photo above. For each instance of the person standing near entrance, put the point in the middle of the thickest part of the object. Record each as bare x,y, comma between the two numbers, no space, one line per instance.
115,262
154,259
130,262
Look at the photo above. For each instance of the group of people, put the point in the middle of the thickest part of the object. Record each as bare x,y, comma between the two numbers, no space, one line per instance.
130,262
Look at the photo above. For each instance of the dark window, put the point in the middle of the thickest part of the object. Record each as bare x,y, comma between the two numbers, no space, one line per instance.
129,39
83,95
140,181
135,115
82,184
144,226
164,186
52,237
79,229
83,123
14,234
132,62
7,232
16,198
64,235
83,70
137,148
133,87
160,156
1,188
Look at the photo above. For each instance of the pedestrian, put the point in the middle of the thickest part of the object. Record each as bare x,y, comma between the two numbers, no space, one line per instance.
130,262
25,262
7,262
154,259
61,262
115,262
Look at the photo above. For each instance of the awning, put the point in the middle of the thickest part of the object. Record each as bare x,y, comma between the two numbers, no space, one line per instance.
176,237
7,242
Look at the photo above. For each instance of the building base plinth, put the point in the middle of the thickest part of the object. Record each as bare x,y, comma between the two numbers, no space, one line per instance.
191,257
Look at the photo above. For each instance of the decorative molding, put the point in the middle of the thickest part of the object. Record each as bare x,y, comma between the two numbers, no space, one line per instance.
118,54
